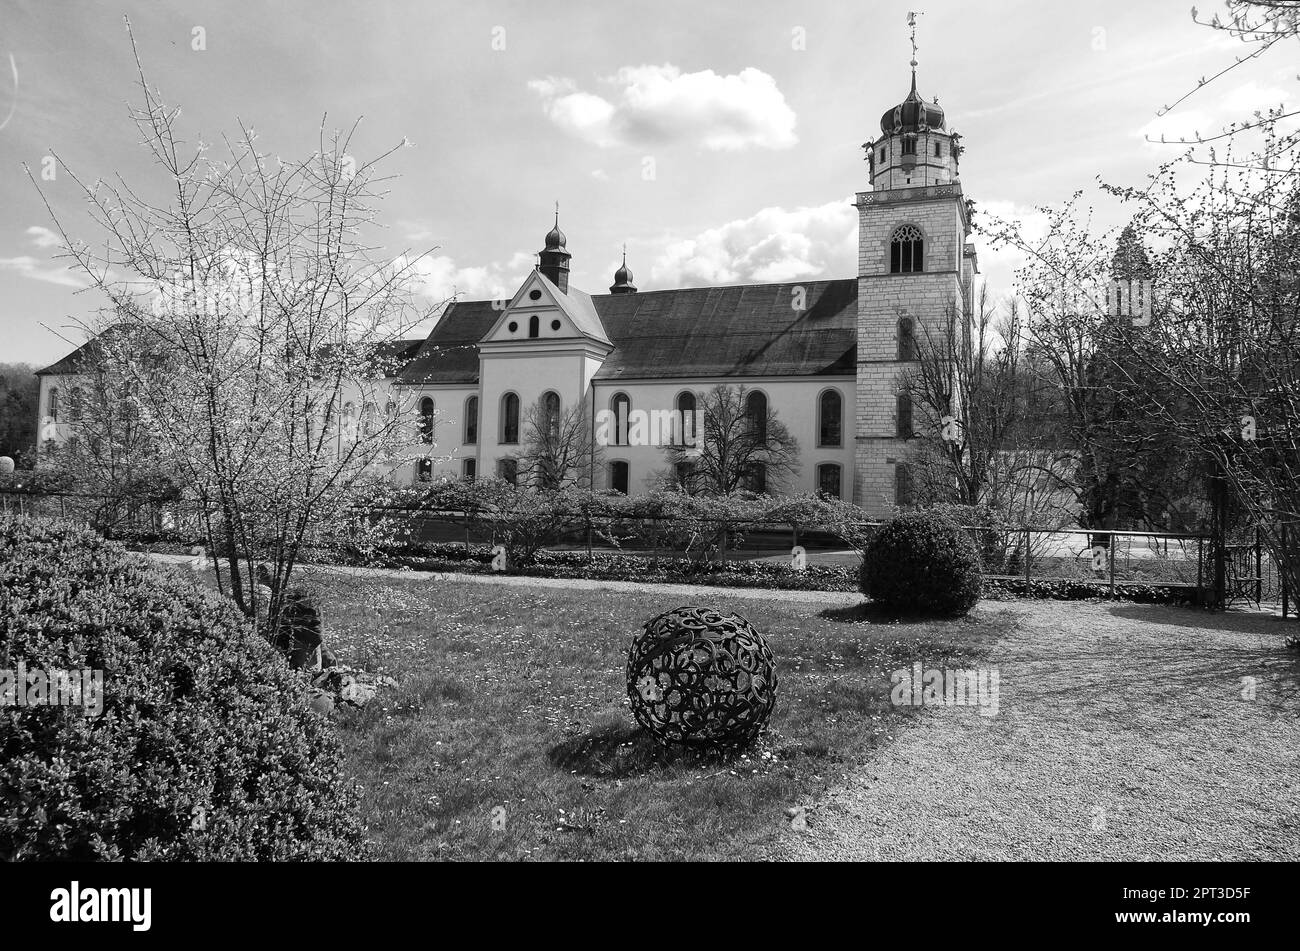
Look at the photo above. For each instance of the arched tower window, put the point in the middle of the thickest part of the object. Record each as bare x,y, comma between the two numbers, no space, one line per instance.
906,339
756,416
426,420
906,251
510,418
904,417
621,404
533,325
830,413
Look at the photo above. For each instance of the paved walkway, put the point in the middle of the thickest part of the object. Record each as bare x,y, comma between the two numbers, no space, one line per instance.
1124,731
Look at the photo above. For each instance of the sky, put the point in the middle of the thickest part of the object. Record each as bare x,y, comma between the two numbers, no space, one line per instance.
720,142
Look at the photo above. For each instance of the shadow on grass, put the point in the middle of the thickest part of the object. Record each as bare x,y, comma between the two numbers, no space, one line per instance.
873,612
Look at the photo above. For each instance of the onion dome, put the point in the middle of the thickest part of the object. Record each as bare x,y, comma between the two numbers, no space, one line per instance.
913,114
623,279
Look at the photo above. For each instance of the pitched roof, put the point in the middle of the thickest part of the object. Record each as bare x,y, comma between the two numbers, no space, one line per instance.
741,330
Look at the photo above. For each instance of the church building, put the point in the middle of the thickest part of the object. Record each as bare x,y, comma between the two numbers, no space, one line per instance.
827,356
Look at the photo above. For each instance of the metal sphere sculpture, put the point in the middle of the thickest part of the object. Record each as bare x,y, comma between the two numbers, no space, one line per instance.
701,678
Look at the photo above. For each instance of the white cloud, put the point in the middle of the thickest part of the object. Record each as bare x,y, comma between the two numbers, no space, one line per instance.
1212,113
33,268
600,175
44,237
660,105
775,244
439,277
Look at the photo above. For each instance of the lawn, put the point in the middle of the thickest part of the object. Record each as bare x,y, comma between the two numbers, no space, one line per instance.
509,735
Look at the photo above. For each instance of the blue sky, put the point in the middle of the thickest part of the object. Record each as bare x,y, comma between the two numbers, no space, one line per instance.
749,115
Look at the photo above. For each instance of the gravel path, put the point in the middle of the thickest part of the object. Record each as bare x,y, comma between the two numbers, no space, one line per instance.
1122,733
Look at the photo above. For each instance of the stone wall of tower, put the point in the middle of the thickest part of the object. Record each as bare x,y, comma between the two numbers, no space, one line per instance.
883,299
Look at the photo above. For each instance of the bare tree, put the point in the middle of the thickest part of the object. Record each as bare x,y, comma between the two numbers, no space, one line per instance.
743,445
245,332
559,450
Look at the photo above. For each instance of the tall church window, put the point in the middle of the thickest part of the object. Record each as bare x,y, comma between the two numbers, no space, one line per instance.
756,416
510,418
903,493
368,419
508,470
906,339
471,421
906,251
619,476
621,404
686,416
830,414
54,404
829,479
468,469
426,420
76,404
755,479
533,324
903,417
551,413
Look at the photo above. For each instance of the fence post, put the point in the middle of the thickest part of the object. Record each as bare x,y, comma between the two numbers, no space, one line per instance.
1259,568
1281,568
1027,574
1111,550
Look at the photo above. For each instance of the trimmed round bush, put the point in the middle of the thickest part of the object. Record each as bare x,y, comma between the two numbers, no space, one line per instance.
922,563
205,748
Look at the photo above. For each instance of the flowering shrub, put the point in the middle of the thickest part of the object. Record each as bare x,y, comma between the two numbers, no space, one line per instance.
925,563
206,748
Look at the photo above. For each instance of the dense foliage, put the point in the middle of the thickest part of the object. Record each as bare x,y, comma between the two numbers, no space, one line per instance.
205,748
925,563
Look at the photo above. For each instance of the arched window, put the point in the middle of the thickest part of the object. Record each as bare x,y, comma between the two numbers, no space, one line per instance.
349,420
906,251
368,419
390,410
426,420
621,404
76,405
829,478
54,404
533,325
510,418
619,476
906,339
471,421
756,416
902,484
686,419
904,416
551,413
424,471
830,413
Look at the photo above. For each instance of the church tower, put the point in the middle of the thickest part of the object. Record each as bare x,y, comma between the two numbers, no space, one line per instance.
915,269
553,260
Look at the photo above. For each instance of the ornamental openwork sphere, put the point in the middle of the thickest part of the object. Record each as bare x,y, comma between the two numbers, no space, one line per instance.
702,678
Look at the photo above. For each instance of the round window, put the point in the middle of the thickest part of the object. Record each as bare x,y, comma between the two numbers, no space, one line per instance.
555,325
512,326
534,295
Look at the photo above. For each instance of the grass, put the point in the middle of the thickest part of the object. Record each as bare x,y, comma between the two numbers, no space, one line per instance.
509,735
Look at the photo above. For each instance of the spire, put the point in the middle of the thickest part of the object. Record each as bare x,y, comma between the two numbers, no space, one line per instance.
553,260
911,22
623,278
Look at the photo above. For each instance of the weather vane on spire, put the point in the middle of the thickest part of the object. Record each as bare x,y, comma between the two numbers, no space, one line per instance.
557,214
911,22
